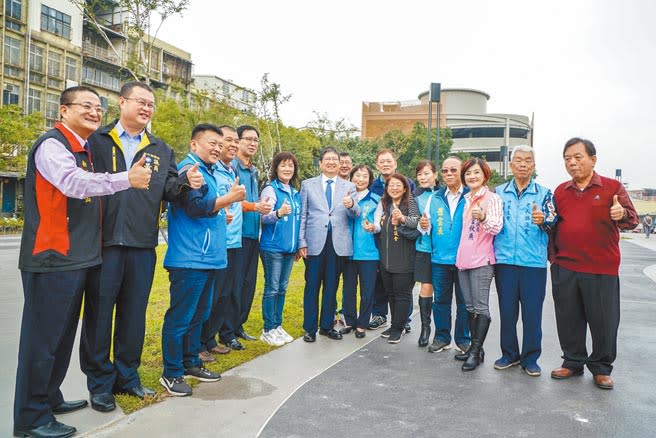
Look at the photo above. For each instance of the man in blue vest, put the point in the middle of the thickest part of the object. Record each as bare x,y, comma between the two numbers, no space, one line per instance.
60,257
197,250
521,270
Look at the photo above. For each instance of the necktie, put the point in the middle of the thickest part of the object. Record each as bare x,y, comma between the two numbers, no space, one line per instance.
329,193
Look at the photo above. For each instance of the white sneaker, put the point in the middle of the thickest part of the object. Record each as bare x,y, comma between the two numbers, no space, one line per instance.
271,338
283,334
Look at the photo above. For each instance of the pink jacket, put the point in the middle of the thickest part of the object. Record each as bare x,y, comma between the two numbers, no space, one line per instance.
477,239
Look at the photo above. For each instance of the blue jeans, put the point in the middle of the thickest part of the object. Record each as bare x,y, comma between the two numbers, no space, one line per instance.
366,272
191,298
445,280
277,268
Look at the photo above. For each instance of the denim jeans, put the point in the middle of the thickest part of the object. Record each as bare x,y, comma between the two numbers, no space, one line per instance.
277,268
191,297
445,285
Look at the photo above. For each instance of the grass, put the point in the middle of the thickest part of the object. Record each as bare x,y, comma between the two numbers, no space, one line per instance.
151,360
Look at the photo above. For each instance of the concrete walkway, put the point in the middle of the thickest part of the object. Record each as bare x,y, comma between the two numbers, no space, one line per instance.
323,389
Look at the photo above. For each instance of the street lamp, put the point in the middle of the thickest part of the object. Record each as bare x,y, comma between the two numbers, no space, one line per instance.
433,96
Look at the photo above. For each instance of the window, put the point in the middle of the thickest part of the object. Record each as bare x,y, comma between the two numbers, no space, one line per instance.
36,58
54,83
100,78
54,64
10,94
52,109
33,101
55,22
71,69
13,9
12,51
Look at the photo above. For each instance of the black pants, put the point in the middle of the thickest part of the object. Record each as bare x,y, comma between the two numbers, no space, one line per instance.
399,293
583,300
50,315
247,279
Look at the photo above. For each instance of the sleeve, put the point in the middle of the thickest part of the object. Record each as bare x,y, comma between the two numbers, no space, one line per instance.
302,241
354,211
630,220
378,215
175,183
270,218
549,211
196,203
409,229
58,166
493,215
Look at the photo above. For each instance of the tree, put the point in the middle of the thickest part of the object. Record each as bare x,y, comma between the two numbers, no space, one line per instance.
270,98
17,133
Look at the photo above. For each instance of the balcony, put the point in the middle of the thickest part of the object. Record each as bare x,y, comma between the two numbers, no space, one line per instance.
102,53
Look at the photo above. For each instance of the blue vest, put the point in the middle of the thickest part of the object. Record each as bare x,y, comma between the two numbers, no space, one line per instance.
197,243
445,232
520,241
225,176
423,243
248,177
282,236
364,243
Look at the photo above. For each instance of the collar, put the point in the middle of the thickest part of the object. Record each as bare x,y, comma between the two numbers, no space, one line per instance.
478,195
77,137
120,130
459,192
243,165
361,195
324,179
511,186
227,167
196,159
595,181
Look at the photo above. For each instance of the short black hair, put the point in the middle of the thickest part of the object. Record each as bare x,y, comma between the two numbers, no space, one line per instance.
228,127
279,158
202,127
589,147
327,150
68,94
242,128
126,89
362,167
344,154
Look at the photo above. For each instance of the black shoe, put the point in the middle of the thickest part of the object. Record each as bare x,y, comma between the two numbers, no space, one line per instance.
407,327
386,333
103,402
242,334
332,334
360,334
346,330
476,354
394,337
202,374
234,344
309,338
69,406
54,429
138,391
425,307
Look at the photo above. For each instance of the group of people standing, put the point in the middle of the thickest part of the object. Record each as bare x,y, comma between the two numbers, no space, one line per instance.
94,195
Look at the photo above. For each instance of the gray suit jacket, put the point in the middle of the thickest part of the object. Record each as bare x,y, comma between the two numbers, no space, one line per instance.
315,216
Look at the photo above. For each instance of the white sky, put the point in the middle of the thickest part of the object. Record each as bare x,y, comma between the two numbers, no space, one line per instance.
584,67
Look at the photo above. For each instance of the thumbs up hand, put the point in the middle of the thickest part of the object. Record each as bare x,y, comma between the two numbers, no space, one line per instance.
237,191
424,221
284,209
616,210
537,215
368,226
138,175
194,177
348,200
263,207
229,216
397,216
478,213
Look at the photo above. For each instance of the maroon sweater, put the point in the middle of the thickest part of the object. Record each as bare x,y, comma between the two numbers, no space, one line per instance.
585,238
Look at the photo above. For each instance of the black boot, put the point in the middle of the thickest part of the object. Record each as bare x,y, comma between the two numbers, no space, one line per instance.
425,304
476,354
471,323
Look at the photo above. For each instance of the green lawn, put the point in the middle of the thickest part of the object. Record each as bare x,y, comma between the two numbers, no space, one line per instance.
151,361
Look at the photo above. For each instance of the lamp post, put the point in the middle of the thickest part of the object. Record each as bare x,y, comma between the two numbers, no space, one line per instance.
433,96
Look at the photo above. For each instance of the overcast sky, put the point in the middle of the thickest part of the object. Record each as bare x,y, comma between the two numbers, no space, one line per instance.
584,67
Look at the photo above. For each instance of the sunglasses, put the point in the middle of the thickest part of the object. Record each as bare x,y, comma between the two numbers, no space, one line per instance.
450,170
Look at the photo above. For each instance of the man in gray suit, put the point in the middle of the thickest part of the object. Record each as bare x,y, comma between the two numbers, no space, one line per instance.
325,239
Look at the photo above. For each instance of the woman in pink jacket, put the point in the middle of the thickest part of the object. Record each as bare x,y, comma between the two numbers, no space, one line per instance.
482,220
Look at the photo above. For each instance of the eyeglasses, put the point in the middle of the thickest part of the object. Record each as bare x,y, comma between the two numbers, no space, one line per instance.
449,170
143,103
88,107
251,139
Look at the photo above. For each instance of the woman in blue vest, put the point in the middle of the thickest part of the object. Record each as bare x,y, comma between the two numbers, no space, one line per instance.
362,266
426,178
279,243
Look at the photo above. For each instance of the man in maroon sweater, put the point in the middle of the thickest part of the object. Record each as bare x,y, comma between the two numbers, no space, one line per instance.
585,257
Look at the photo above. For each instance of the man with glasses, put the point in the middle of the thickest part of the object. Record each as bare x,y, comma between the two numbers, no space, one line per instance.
520,274
252,208
130,234
60,257
444,223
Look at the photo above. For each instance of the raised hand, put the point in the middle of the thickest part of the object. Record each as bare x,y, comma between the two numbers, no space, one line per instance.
237,191
348,200
138,175
397,216
616,210
263,207
478,213
424,221
194,177
537,215
284,209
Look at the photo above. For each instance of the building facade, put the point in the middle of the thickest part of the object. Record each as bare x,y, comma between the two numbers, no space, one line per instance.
224,90
474,130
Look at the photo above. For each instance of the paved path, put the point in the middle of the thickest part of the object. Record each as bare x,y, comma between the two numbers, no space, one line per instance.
368,387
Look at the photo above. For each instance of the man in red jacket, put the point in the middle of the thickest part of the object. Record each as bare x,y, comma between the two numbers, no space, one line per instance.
585,257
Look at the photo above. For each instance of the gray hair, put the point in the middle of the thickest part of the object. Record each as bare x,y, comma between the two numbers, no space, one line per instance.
522,148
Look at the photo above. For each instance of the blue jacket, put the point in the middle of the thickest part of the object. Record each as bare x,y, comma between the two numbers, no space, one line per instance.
225,176
282,235
248,177
445,232
197,235
520,241
423,243
364,243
